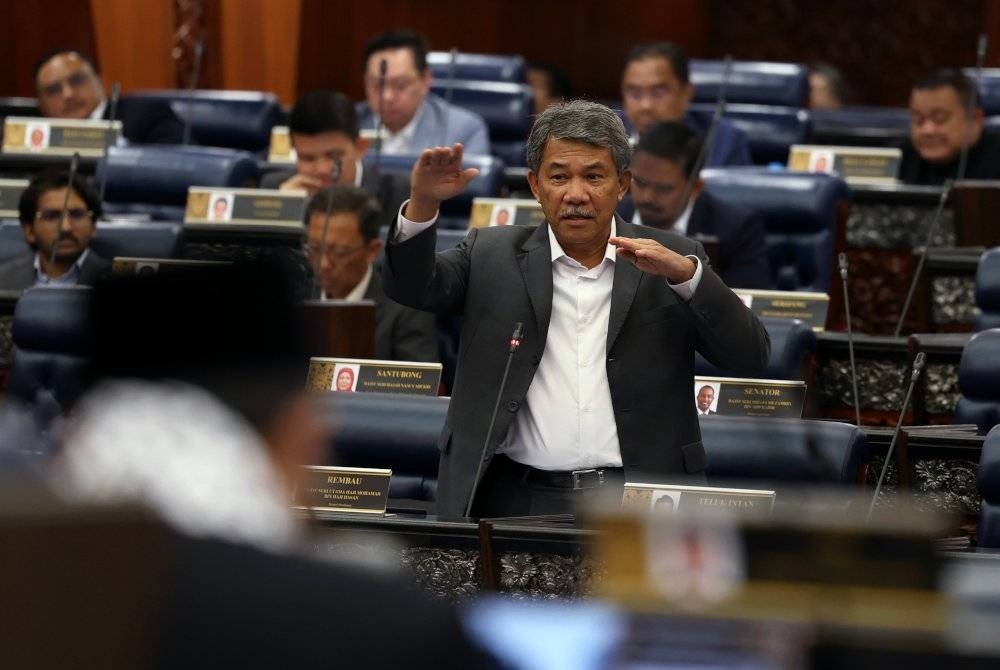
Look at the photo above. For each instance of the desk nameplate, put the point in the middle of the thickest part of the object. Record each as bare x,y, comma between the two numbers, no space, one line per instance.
732,396
244,207
804,306
355,375
488,212
334,489
59,137
677,499
280,150
127,265
857,165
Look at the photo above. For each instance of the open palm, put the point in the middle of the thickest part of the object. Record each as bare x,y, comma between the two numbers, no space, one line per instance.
438,175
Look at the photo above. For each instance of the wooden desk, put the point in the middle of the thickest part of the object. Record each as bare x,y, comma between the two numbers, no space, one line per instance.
341,328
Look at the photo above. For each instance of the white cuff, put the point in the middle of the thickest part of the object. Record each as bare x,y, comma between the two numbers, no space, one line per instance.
405,229
685,290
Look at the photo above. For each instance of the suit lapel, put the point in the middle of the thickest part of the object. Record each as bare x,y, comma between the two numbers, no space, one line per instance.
623,289
535,259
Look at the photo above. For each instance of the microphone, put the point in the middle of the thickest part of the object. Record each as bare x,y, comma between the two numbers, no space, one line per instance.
334,178
116,91
842,262
383,68
199,52
74,164
449,92
515,342
945,191
918,366
970,107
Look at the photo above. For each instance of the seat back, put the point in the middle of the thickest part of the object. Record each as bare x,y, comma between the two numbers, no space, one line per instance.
506,107
803,220
12,242
770,131
230,119
477,67
988,290
989,88
17,106
791,341
138,240
860,126
989,489
751,82
979,381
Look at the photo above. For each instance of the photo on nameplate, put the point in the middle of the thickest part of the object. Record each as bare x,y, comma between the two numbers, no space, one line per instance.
222,208
353,375
665,502
821,161
686,561
37,137
706,398
502,216
733,396
345,378
487,212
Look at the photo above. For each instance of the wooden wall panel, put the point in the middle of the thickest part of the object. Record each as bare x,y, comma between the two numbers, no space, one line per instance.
134,42
259,42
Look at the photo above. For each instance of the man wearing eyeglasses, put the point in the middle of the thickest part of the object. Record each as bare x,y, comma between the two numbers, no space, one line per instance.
60,254
70,88
655,88
413,118
342,254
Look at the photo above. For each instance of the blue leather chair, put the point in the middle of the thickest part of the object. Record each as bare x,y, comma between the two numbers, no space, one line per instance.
506,107
989,489
988,290
154,180
752,82
770,130
11,239
230,119
804,214
989,88
860,126
791,341
49,334
979,381
124,238
477,67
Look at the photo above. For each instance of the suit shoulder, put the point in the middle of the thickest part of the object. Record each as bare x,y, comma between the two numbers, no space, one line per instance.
457,114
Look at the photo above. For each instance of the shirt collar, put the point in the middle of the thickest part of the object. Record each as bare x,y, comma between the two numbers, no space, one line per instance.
358,292
408,131
98,113
557,251
359,171
680,225
70,277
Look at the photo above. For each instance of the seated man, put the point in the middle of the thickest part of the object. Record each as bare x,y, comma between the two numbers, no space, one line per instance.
69,88
323,127
59,244
413,118
549,85
655,87
344,265
662,160
945,117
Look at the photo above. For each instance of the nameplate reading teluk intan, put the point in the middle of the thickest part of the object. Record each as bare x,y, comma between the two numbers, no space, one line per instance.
857,165
355,375
280,150
731,396
677,499
10,194
333,489
488,212
125,265
810,308
59,137
244,207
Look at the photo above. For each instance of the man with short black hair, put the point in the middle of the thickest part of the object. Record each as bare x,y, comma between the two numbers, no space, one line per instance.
344,263
656,87
945,117
69,88
47,229
413,118
664,198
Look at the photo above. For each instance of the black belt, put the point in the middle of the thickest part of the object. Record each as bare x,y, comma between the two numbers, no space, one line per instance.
566,479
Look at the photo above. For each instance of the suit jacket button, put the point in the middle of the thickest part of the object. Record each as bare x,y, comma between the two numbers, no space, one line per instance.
513,406
535,359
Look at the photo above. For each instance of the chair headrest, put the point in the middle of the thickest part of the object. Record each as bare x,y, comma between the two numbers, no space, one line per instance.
989,467
138,240
864,123
751,82
52,319
979,368
770,131
988,281
477,67
487,185
989,88
12,242
506,107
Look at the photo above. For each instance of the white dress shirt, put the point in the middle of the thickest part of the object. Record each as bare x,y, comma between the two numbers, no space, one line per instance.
402,142
680,225
358,292
566,421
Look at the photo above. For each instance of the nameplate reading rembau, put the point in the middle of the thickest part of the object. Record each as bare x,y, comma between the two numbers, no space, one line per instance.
10,194
244,207
280,150
488,212
676,499
355,375
857,165
731,396
333,489
125,265
59,137
808,307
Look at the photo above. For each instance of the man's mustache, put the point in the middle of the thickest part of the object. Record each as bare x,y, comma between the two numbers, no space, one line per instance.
577,214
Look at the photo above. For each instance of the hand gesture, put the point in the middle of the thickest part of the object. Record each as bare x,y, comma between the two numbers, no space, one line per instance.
301,182
652,257
437,175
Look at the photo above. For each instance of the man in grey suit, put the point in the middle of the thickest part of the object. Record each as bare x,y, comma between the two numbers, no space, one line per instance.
599,391
413,118
60,254
343,251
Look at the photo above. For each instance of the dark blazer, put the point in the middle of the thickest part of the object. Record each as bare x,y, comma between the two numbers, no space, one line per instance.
730,147
983,163
743,260
401,333
18,273
148,122
503,275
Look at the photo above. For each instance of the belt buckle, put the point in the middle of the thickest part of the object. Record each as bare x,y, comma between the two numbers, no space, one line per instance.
577,473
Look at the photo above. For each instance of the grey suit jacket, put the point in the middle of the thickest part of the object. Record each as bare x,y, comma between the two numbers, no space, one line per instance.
499,276
441,124
18,273
401,333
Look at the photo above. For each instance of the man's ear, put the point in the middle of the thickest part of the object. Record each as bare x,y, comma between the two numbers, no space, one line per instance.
624,183
699,184
533,184
29,234
374,248
361,146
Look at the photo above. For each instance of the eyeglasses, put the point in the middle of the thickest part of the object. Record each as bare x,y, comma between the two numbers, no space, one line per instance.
332,253
75,80
74,214
656,93
396,84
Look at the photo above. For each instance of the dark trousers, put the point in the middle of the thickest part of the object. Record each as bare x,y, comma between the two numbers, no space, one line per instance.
509,488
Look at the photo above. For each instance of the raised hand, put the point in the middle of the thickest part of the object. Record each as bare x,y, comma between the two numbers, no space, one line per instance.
652,257
437,175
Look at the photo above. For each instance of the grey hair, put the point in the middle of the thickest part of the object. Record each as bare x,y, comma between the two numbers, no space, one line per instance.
581,121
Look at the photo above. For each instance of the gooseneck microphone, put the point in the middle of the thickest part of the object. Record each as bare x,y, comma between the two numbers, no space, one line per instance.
515,341
449,91
842,262
74,165
931,230
970,107
334,178
116,91
383,69
199,52
918,366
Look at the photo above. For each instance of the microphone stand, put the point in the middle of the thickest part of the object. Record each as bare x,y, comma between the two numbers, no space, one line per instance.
334,178
74,164
383,68
970,106
515,342
931,229
116,91
199,52
842,261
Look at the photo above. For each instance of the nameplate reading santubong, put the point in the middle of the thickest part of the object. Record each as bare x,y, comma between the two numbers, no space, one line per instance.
731,396
858,165
810,308
677,499
488,212
59,137
10,194
335,489
247,207
352,375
